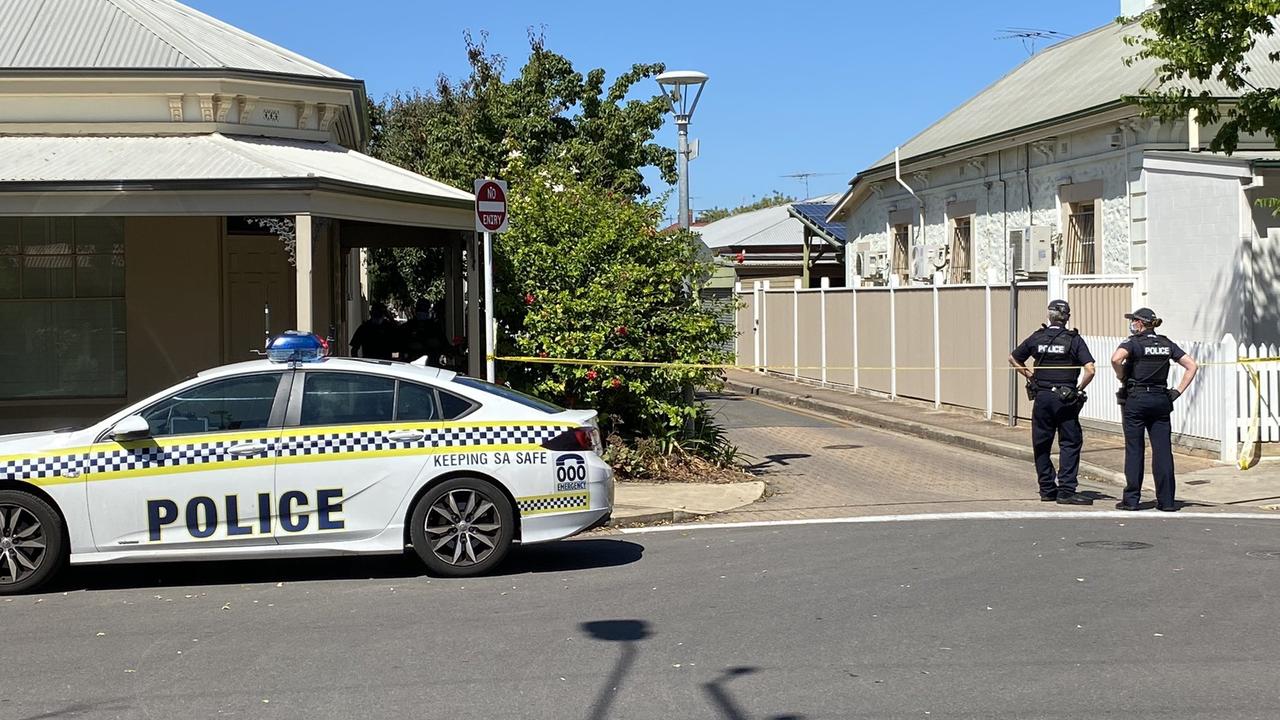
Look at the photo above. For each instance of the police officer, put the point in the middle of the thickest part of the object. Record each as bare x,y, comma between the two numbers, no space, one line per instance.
1057,386
376,337
1142,365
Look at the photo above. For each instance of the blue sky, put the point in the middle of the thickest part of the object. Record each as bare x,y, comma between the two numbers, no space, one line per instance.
823,90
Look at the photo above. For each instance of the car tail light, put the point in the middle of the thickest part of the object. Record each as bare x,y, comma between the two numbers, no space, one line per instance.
583,438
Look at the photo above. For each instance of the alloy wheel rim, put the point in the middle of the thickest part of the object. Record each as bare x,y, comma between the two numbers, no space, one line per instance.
23,545
463,527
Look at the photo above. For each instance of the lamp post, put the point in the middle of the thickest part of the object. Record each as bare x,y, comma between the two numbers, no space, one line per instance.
683,88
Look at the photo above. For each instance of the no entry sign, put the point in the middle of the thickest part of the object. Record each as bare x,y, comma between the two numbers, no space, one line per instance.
491,206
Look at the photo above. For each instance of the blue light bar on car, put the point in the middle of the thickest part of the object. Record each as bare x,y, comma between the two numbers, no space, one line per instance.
296,346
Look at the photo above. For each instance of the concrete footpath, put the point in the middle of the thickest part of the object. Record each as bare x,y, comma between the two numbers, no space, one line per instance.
1200,480
636,503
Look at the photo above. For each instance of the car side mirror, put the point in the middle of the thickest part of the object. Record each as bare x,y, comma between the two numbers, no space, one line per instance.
133,427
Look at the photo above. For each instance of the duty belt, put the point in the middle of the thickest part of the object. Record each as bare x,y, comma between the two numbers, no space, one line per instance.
1148,388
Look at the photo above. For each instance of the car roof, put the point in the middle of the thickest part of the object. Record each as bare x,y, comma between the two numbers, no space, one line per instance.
408,371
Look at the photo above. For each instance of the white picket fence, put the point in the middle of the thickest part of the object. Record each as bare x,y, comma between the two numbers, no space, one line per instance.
1207,411
1267,392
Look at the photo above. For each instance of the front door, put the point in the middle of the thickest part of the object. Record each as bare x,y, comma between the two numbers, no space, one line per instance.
205,476
258,294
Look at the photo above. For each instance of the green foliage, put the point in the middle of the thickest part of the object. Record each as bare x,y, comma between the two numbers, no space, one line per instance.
773,199
548,112
474,127
583,274
1198,41
401,276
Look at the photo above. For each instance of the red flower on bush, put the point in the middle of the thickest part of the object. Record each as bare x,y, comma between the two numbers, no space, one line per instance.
621,330
542,353
616,383
742,257
591,375
528,298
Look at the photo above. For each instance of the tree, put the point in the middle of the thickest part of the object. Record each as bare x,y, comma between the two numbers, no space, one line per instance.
474,128
773,199
583,274
547,112
1202,47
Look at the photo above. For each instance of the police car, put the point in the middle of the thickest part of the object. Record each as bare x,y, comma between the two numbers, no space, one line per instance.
299,455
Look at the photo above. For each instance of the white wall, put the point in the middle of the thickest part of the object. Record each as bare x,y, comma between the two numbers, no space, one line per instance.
1087,156
1195,254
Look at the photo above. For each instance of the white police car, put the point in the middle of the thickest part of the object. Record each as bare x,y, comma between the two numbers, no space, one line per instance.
303,455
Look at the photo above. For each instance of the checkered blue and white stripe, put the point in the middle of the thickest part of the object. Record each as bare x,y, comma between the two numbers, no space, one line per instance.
554,503
335,442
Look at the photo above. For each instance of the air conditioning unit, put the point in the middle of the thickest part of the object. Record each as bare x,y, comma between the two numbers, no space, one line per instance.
919,262
1032,249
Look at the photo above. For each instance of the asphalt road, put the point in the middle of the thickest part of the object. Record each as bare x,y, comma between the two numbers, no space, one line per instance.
937,619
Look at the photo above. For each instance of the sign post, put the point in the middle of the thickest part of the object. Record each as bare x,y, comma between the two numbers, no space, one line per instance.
491,217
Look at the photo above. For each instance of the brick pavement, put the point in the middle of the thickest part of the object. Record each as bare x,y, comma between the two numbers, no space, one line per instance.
820,468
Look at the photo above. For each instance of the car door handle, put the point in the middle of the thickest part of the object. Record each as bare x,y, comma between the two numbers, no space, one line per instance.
248,449
406,436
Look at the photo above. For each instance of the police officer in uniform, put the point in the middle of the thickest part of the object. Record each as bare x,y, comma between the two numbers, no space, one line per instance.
1142,365
1063,369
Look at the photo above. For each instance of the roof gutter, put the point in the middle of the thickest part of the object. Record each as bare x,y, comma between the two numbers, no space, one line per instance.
233,185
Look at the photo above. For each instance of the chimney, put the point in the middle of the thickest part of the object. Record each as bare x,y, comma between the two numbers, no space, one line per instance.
1129,8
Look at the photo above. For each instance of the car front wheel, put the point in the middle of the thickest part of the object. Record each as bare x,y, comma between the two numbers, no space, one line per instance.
31,541
462,527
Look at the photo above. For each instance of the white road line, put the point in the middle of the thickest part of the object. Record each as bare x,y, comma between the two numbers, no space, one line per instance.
990,515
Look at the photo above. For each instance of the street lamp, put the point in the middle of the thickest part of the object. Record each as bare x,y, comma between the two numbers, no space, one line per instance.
679,86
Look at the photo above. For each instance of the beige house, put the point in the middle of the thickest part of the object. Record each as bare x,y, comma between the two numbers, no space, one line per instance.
172,189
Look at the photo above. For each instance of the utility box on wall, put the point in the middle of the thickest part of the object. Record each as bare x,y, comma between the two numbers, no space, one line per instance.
1032,249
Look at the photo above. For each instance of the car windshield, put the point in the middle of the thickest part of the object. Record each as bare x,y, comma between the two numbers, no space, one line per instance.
515,396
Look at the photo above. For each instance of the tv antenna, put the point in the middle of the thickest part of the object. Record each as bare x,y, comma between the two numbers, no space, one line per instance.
804,178
1031,36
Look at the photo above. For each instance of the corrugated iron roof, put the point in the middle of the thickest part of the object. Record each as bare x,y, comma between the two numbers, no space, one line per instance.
758,228
1071,77
89,158
136,34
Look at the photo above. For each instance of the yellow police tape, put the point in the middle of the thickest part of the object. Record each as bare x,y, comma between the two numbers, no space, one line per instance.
1249,455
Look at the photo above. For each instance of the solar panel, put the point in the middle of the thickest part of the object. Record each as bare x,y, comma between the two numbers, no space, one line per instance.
816,214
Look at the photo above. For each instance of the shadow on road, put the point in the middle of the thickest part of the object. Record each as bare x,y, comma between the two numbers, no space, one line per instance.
552,557
627,632
778,459
724,702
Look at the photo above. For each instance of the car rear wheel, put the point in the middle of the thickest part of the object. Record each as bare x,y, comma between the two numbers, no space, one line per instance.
31,541
462,527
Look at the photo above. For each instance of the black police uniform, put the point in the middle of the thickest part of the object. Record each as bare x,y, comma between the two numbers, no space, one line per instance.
1147,410
1059,354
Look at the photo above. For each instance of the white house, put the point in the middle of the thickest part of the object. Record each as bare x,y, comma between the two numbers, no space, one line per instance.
1051,152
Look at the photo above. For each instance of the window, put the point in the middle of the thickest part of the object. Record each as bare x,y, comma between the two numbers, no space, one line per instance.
416,402
1079,250
962,249
902,251
237,403
453,407
62,307
507,393
331,398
